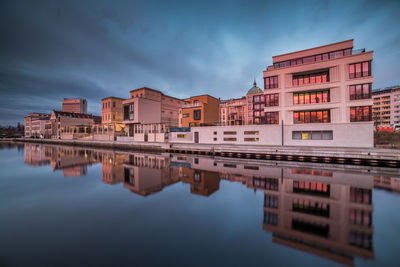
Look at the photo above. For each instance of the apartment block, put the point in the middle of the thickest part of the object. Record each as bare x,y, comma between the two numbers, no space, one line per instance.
35,124
112,110
386,107
75,105
320,92
255,105
202,110
233,112
150,113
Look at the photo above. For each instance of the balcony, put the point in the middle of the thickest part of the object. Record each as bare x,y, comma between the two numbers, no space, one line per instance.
193,105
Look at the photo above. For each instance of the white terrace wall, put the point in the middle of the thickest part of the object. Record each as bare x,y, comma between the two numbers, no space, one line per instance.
329,135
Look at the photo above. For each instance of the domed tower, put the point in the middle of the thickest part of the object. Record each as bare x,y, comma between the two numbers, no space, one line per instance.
254,89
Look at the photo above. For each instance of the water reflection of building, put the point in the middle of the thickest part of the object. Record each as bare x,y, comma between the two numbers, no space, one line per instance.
34,155
71,160
387,183
145,174
112,167
306,210
197,171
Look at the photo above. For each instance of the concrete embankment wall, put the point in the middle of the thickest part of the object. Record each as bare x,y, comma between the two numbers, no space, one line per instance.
357,156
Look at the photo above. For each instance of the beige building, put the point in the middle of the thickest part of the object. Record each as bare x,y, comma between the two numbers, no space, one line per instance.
112,111
63,125
386,108
112,115
75,105
200,110
327,88
149,114
35,124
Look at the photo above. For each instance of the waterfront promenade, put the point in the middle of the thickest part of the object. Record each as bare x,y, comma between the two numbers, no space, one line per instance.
338,155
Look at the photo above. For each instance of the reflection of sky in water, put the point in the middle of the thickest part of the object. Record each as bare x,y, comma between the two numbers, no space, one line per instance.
47,219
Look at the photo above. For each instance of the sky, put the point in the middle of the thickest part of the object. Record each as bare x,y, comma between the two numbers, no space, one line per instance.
50,50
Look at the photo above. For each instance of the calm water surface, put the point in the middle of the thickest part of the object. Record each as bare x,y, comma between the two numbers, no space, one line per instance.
81,207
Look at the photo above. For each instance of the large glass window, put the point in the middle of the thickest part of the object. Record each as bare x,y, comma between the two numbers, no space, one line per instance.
314,116
321,77
360,69
272,100
360,91
362,113
271,82
197,114
312,97
271,118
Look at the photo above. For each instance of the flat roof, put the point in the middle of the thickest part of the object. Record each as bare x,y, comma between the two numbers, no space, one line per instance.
114,97
309,49
154,90
202,95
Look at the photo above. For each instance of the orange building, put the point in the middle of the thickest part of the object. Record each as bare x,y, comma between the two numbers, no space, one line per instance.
202,110
233,112
112,112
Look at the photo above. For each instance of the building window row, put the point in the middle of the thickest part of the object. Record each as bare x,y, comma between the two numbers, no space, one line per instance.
266,183
270,201
314,78
271,82
311,188
312,97
360,69
311,207
360,239
360,91
313,58
266,117
362,113
360,217
316,116
312,135
272,100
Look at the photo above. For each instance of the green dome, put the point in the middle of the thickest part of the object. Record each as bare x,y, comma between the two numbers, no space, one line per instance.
254,89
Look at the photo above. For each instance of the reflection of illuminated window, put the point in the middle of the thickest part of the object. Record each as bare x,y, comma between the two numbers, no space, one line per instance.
311,188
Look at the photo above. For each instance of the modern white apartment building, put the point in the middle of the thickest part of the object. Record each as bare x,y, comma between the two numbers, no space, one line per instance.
321,92
314,97
386,108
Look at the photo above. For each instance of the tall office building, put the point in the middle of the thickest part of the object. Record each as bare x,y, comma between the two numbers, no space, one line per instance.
75,105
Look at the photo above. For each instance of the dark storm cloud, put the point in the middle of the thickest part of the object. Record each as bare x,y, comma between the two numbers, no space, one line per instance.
92,49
